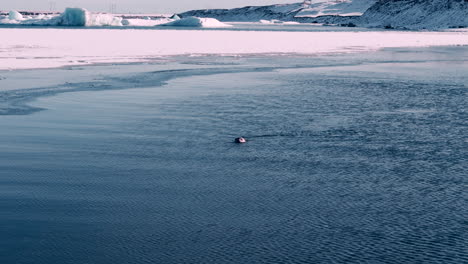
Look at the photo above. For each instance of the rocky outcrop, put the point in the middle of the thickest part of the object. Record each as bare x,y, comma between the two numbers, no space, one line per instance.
416,14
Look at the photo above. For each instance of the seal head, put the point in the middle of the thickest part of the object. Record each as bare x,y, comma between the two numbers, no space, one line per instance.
240,140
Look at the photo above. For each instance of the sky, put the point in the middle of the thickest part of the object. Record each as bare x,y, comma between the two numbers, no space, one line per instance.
132,6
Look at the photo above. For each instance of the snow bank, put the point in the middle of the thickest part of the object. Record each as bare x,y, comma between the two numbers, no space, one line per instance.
196,22
39,48
135,22
15,15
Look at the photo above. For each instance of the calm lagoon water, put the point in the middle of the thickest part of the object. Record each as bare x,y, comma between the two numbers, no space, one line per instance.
351,159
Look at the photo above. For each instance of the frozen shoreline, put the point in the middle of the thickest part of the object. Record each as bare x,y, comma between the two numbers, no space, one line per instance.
29,48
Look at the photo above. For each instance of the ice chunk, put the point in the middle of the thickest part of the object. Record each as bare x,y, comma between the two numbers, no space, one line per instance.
103,20
196,22
126,22
74,17
15,15
81,17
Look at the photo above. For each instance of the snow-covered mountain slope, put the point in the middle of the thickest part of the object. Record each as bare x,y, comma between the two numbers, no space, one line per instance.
417,14
318,8
403,14
285,12
249,13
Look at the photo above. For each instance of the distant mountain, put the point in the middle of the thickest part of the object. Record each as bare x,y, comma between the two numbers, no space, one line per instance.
305,11
402,14
417,14
249,13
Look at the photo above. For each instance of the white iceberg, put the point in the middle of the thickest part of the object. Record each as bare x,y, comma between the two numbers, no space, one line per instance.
196,22
15,15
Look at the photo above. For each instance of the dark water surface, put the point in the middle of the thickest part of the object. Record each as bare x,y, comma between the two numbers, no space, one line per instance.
351,159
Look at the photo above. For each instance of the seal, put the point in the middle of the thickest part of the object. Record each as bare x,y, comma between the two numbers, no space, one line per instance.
240,140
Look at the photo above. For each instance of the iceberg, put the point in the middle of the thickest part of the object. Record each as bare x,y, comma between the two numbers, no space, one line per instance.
74,17
196,22
15,15
80,17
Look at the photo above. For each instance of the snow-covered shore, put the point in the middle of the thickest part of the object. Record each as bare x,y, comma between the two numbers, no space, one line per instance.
23,48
